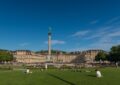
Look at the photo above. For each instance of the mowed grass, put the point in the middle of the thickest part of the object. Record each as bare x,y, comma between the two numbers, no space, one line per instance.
111,76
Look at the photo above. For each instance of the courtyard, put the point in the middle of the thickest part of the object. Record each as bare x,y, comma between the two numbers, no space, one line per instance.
60,77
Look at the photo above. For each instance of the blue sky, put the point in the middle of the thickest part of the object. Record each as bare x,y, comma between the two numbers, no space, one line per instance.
76,24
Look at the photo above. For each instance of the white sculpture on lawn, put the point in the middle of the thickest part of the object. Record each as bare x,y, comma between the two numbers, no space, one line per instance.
98,74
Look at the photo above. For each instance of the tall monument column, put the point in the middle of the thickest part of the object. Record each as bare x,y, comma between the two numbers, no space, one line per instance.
49,44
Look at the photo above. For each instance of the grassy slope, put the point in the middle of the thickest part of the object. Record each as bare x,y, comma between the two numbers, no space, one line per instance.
53,77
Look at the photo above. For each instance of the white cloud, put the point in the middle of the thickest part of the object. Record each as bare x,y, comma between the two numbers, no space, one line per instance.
113,20
24,44
100,32
94,22
54,42
101,38
115,34
106,39
95,34
81,33
104,45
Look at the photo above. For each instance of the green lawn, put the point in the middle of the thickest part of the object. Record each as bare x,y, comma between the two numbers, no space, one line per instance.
57,77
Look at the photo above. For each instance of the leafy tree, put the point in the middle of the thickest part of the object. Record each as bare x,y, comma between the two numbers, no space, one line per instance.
114,54
101,56
5,56
52,51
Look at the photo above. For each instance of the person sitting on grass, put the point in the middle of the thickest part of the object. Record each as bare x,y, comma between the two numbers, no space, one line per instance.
98,74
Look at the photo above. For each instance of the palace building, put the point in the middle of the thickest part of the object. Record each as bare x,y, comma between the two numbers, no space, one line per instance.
28,57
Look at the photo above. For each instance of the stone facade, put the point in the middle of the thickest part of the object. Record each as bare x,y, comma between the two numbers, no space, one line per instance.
62,58
25,56
89,55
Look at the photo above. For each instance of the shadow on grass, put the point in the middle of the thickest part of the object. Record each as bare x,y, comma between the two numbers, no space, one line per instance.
91,76
54,76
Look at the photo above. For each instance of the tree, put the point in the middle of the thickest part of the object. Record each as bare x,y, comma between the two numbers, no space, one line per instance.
52,51
101,56
114,54
5,56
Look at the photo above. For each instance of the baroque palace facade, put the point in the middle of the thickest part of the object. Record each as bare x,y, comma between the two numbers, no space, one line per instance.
28,57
